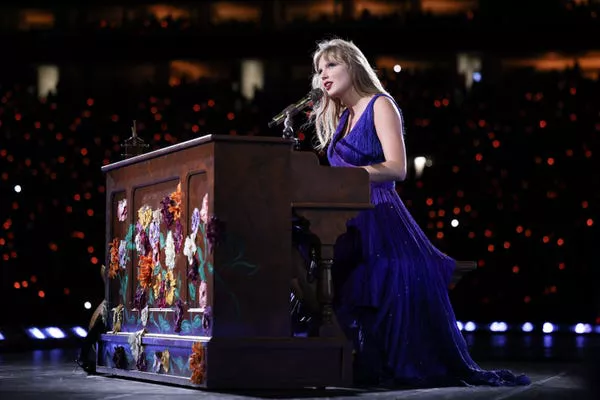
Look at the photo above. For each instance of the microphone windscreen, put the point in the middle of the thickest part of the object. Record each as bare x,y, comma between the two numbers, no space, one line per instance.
315,95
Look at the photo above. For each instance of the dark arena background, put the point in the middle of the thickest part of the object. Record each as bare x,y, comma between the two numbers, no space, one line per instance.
502,114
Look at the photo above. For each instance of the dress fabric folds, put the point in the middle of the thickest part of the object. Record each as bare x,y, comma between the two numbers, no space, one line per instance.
391,286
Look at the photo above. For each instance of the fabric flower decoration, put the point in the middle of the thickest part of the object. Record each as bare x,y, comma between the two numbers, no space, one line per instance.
145,215
170,251
203,294
161,361
175,203
156,287
141,363
119,358
204,210
154,236
142,243
171,283
206,318
166,214
157,216
178,236
123,254
140,300
179,310
146,266
197,363
195,222
122,210
193,274
157,364
161,301
139,244
113,266
165,360
144,316
135,342
117,318
215,231
189,249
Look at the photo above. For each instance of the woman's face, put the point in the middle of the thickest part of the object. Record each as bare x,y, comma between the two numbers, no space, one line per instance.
335,77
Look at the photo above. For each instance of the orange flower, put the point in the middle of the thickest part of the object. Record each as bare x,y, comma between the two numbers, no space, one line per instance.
146,265
114,258
175,206
197,363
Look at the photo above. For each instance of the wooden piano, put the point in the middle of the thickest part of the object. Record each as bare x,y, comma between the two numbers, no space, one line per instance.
199,263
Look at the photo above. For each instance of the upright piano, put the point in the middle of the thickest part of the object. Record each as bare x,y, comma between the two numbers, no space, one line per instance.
199,260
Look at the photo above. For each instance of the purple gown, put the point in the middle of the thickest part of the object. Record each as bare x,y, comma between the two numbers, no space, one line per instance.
391,286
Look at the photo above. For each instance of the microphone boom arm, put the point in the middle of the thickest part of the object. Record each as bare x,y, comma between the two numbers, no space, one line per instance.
291,110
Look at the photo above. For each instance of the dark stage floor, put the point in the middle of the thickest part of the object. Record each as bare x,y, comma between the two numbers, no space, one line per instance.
557,372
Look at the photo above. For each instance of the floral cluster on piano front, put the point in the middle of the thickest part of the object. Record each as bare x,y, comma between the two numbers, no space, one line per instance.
156,283
159,283
157,239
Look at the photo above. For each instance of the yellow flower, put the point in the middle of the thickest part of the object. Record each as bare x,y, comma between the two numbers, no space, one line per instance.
145,215
171,283
156,286
164,360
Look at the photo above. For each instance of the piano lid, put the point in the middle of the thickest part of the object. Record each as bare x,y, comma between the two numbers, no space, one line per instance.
338,187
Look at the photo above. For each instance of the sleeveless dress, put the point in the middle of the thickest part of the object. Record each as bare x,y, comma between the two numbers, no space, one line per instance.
391,286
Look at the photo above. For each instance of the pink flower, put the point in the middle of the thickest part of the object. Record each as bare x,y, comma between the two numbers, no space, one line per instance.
204,210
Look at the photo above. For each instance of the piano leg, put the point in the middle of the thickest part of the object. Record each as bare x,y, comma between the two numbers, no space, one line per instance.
305,309
312,302
329,326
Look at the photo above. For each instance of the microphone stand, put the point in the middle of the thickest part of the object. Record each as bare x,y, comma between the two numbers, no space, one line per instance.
288,130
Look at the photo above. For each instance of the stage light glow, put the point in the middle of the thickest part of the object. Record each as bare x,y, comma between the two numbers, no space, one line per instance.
79,331
527,327
470,326
1,336
87,305
460,325
397,68
548,327
55,332
454,223
498,327
581,328
36,333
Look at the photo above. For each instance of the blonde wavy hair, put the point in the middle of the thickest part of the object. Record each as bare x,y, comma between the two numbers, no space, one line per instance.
327,112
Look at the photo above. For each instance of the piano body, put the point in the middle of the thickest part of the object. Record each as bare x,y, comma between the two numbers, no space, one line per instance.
199,263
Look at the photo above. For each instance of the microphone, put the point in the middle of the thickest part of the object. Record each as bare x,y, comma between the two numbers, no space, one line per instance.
312,97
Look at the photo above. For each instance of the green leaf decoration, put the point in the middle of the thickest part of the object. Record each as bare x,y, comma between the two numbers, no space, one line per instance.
130,317
192,291
200,254
129,237
201,271
123,289
186,326
152,320
181,363
197,322
150,296
164,325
